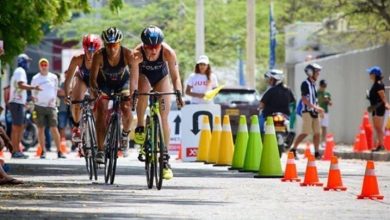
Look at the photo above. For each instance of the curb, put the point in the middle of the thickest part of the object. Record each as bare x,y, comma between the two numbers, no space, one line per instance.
376,156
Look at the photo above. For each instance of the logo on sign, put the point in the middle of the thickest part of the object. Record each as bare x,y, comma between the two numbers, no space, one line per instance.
191,151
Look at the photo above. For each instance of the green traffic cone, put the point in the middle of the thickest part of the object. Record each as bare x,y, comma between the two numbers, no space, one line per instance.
254,148
240,145
270,165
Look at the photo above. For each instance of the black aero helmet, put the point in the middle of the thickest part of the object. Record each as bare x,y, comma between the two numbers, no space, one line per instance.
112,35
152,35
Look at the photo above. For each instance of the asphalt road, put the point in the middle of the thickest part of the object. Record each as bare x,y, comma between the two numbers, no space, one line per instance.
59,189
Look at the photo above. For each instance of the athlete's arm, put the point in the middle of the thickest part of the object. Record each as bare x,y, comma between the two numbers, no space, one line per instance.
170,57
96,63
74,63
133,60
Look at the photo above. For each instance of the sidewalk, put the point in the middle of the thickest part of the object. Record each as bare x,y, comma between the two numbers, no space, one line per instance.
346,152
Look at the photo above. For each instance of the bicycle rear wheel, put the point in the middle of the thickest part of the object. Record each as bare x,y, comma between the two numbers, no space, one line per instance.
149,162
158,151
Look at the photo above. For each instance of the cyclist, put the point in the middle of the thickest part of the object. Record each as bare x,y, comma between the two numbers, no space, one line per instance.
109,73
154,60
82,63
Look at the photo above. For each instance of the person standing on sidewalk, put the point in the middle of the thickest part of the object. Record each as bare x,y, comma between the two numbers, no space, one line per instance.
378,104
311,110
324,100
45,105
17,101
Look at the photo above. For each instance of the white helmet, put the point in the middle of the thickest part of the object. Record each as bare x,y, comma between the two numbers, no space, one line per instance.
276,74
309,69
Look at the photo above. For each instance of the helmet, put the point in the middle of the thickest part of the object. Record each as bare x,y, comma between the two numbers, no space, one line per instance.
276,74
91,42
375,70
23,61
309,69
152,35
112,35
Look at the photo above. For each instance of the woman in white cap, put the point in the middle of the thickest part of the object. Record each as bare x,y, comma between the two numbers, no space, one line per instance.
201,81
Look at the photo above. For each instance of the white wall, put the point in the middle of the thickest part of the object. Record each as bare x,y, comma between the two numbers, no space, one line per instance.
347,82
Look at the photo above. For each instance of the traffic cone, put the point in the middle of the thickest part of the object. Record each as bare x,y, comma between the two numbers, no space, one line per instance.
226,147
334,177
38,151
386,140
270,165
204,140
328,154
179,155
290,173
1,154
120,153
63,148
307,150
254,147
215,141
356,146
370,188
362,146
240,145
368,129
311,176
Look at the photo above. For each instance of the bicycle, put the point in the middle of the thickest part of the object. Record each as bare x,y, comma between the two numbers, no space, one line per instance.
112,139
156,154
88,143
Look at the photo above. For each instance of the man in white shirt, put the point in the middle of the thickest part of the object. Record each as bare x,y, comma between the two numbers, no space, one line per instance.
17,100
45,105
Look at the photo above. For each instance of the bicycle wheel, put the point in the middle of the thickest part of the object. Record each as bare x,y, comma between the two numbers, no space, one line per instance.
114,152
158,151
149,163
93,147
108,146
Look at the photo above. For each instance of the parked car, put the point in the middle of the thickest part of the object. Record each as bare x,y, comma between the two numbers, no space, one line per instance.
236,101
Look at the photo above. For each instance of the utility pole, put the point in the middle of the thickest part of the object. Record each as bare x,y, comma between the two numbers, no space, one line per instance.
200,48
251,43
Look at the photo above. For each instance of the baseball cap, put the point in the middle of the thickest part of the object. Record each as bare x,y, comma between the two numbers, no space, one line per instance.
24,56
203,59
43,60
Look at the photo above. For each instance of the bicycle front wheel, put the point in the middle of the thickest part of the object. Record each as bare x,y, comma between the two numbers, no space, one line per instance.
158,151
93,148
149,161
111,151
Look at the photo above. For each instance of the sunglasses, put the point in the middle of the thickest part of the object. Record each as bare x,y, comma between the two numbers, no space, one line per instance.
113,45
151,47
44,65
91,49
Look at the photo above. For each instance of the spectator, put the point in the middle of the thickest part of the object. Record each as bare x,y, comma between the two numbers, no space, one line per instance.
63,110
5,141
17,100
311,110
201,81
324,100
45,105
378,104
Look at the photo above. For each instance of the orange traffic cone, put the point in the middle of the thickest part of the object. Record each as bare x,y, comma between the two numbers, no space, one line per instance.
63,147
386,140
362,146
334,177
39,151
368,129
290,174
357,143
179,156
328,154
370,188
307,150
1,154
311,175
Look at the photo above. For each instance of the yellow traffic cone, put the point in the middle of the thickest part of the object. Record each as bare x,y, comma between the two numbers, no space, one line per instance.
226,148
240,145
215,140
204,140
254,147
270,165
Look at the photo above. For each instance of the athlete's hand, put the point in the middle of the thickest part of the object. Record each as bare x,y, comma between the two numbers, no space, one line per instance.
134,100
68,100
179,100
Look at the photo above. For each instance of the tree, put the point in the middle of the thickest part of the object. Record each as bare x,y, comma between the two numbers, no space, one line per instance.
25,22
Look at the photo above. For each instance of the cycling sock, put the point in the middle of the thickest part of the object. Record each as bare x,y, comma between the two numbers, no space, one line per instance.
139,129
125,133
